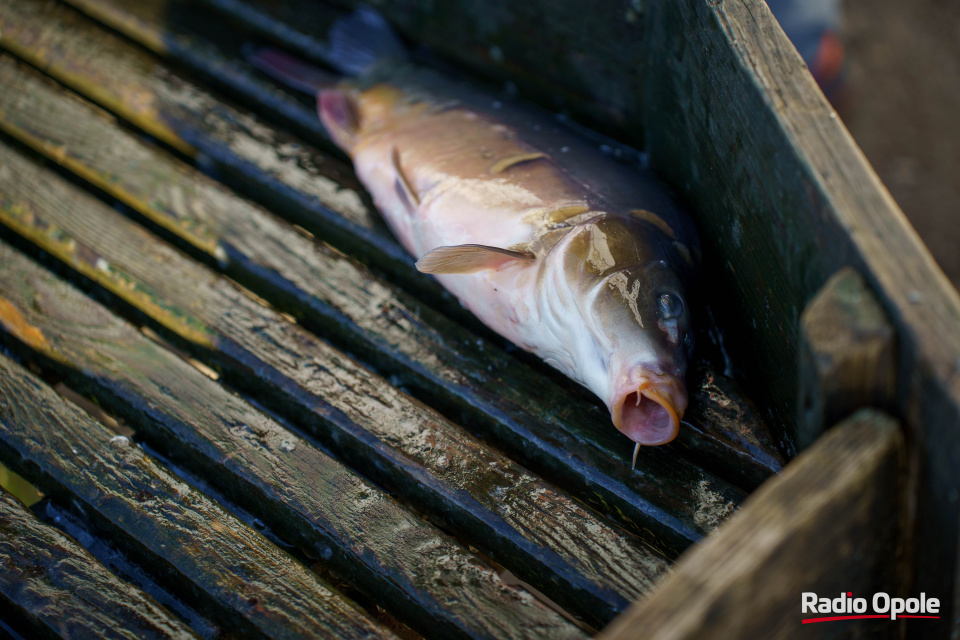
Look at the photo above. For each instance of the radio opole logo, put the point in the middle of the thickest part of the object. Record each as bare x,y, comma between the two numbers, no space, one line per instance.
883,606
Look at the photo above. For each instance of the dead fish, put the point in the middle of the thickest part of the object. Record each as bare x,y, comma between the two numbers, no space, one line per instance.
561,249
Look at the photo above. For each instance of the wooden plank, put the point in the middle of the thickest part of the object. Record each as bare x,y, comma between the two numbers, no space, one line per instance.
848,355
800,202
461,374
588,64
180,30
736,443
56,589
189,540
295,489
317,191
401,444
796,534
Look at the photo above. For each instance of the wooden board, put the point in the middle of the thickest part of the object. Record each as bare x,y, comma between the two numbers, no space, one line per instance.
191,542
735,443
602,470
798,203
295,489
253,157
51,587
830,523
509,522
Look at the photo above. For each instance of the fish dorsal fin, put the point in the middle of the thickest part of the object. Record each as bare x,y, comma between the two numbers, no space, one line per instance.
469,258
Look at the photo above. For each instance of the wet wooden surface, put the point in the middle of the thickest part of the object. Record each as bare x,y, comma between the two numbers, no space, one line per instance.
299,491
245,581
331,343
457,356
51,587
457,363
831,523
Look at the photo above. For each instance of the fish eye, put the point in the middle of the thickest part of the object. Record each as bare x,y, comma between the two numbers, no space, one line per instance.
671,306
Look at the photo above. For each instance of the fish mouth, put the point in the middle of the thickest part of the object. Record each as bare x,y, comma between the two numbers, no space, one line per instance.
651,414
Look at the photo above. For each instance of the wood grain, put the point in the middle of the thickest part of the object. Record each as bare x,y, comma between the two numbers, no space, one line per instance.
293,178
54,588
781,186
738,444
396,441
351,526
461,374
190,541
848,355
830,523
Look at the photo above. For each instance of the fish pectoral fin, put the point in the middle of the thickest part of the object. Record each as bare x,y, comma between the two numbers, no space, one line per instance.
469,258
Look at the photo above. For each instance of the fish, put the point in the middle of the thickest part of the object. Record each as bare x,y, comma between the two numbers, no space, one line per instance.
560,248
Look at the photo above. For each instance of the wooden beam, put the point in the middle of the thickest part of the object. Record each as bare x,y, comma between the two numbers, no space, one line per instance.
300,492
848,355
786,198
831,523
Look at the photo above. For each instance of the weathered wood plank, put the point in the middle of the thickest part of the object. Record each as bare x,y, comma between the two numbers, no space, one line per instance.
331,294
317,191
190,541
796,534
179,30
400,443
798,203
52,584
587,63
292,487
741,447
259,244
848,355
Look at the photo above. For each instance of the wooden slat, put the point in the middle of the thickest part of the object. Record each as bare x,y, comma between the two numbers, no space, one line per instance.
796,534
401,444
735,443
458,372
317,190
589,64
848,355
56,589
190,541
790,199
293,488
466,378
719,438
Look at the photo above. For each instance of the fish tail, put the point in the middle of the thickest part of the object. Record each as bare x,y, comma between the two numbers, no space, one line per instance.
362,39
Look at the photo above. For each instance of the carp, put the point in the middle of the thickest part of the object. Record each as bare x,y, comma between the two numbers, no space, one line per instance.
549,241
